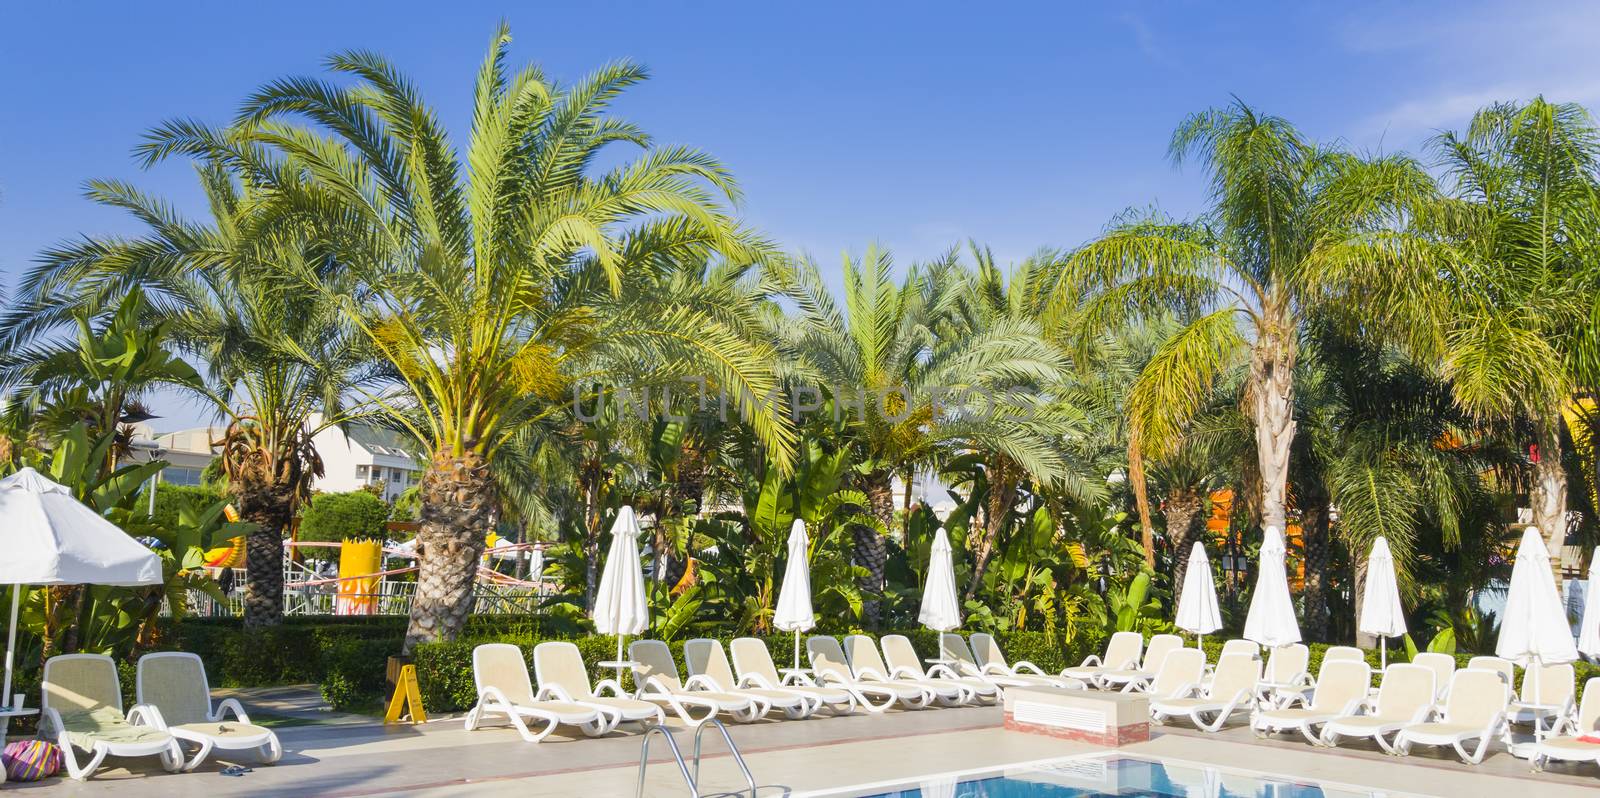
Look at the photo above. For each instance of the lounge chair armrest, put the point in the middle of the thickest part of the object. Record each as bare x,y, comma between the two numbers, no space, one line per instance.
50,717
230,705
552,692
701,681
495,694
613,685
754,680
146,715
1091,661
799,679
1190,690
904,672
1025,666
1423,714
1354,705
995,669
939,670
1138,685
871,674
1302,679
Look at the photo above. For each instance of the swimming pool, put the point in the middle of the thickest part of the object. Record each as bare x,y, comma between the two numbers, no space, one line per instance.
1105,777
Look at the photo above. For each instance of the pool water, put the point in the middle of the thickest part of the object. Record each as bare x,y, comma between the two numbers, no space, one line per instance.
1122,776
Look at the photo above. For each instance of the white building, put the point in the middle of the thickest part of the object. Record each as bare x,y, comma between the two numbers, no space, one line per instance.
187,452
361,455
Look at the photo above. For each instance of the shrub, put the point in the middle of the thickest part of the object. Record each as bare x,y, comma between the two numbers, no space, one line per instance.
334,517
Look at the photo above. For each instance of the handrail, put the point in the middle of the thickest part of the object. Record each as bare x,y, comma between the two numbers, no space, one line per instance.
699,733
644,760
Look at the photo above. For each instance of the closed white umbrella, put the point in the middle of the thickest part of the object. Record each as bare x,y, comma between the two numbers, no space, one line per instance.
49,538
536,565
1271,620
620,607
794,612
1589,628
1533,627
1198,611
939,611
1381,613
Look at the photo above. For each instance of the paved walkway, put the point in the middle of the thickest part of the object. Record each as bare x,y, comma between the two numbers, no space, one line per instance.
355,757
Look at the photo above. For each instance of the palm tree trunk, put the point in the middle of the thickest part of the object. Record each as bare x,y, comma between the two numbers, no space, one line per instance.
871,551
1314,518
1141,497
457,513
270,508
1182,509
1271,399
1548,494
994,517
1362,640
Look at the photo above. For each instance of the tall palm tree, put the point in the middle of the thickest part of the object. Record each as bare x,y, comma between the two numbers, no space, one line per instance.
1241,275
1495,277
278,359
495,276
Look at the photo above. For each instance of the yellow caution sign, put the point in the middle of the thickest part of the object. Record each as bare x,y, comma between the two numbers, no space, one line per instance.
407,698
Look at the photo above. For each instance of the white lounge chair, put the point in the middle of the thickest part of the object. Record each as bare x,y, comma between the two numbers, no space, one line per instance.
173,687
657,678
990,659
753,661
1341,687
82,709
562,676
1122,653
1545,698
709,669
1231,689
1337,653
1286,675
901,657
1179,673
832,668
1154,654
1443,667
500,676
1475,710
1405,697
866,664
1500,665
1564,742
954,648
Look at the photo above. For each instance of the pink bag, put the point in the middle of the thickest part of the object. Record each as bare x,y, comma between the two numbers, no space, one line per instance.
31,760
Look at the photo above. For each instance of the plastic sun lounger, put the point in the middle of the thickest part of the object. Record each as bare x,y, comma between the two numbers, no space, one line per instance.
1231,689
867,664
902,658
1563,743
82,706
709,669
1154,654
500,675
1286,675
1122,653
1406,697
1476,710
990,659
1341,688
1544,699
173,687
562,676
833,669
753,661
1443,667
1179,674
657,677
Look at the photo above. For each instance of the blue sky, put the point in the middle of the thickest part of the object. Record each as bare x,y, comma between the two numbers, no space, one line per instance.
914,125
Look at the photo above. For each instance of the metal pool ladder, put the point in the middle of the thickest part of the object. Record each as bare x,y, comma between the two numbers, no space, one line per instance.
691,769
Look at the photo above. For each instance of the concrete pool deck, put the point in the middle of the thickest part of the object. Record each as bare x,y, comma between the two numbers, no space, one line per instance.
349,760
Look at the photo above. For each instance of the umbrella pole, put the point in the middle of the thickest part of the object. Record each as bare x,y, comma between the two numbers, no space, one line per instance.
619,661
11,646
1383,653
1538,701
797,649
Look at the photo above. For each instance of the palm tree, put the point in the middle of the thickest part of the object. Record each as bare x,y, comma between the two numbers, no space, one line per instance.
1241,276
493,279
278,360
1494,279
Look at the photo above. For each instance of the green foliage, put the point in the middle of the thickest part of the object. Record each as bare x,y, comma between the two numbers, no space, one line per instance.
170,498
335,517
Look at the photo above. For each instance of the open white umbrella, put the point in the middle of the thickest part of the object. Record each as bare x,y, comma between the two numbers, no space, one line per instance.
794,612
49,538
1197,603
1533,627
1589,627
620,607
940,611
1381,613
1271,620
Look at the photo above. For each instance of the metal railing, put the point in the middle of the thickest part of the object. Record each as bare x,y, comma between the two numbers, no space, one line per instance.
691,770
